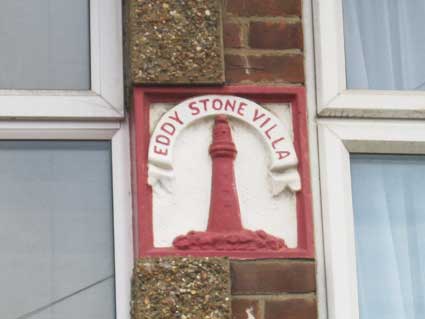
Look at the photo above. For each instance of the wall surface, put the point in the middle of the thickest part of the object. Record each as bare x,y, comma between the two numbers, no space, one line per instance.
175,42
186,288
262,44
273,289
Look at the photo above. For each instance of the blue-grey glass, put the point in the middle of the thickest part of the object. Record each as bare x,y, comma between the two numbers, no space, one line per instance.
56,230
389,222
45,44
384,44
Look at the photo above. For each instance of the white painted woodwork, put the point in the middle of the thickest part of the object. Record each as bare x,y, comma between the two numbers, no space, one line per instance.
118,134
309,63
123,219
106,98
337,139
333,97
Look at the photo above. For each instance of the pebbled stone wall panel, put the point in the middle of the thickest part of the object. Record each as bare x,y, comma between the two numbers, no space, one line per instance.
175,42
181,288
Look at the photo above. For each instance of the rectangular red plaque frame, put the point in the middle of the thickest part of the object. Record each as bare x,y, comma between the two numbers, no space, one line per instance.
144,97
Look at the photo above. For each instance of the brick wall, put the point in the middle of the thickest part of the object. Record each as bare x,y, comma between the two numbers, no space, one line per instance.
273,289
263,42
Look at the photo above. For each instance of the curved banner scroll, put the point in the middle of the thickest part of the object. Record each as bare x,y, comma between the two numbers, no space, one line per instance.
283,171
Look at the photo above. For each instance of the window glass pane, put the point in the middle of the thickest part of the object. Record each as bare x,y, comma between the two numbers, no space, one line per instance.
389,221
384,44
56,230
44,44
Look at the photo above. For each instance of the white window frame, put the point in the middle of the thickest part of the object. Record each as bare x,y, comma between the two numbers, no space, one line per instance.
95,114
333,97
337,140
118,134
105,99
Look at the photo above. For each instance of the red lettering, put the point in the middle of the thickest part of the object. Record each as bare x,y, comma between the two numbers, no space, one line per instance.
195,109
162,139
282,154
176,118
256,116
160,151
277,141
269,130
168,128
204,101
265,122
230,106
214,104
241,109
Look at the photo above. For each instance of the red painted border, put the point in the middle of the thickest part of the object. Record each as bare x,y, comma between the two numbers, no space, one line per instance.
144,97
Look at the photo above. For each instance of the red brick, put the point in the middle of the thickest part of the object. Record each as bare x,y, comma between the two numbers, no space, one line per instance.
271,8
241,308
271,35
291,308
271,277
232,35
286,68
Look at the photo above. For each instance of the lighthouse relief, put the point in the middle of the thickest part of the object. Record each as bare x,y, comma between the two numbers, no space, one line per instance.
225,230
222,171
224,175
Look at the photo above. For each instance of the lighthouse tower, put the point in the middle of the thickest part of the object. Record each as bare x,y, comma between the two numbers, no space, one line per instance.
224,207
225,231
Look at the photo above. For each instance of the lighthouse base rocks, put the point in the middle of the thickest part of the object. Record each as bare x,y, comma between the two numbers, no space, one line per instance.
242,240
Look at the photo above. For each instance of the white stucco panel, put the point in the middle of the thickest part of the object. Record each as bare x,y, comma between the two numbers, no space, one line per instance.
186,207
